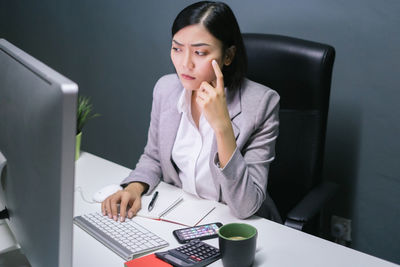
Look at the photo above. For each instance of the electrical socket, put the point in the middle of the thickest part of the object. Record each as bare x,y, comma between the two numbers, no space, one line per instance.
341,228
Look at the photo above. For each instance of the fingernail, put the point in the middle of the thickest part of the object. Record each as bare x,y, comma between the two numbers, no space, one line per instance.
115,218
130,214
214,61
109,216
122,219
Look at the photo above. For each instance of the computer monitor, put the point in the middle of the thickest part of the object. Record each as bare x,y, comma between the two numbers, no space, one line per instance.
37,139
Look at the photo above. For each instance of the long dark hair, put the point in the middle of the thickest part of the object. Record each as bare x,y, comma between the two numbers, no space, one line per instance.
219,20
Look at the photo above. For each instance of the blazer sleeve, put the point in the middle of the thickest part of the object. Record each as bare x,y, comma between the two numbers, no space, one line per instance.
148,169
244,178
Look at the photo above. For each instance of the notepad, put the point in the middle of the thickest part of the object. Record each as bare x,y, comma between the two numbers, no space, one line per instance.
189,212
147,261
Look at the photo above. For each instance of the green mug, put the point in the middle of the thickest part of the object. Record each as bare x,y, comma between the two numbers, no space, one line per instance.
237,244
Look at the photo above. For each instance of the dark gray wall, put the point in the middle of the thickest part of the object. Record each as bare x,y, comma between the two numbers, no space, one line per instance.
116,50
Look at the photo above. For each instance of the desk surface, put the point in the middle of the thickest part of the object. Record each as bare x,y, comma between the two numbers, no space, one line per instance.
277,245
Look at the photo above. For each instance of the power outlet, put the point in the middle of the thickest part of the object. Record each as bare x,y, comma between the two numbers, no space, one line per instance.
341,228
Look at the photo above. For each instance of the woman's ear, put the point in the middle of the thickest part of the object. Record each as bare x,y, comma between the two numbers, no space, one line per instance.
229,55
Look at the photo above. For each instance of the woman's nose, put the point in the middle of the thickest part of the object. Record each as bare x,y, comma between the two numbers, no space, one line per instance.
187,61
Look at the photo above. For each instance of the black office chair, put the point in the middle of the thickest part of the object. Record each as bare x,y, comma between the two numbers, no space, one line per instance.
300,71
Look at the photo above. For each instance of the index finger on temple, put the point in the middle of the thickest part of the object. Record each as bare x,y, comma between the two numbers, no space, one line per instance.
218,74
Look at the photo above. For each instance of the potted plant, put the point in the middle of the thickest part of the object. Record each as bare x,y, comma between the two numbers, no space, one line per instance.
84,113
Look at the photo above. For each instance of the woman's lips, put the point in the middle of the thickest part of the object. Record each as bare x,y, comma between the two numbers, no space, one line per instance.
187,77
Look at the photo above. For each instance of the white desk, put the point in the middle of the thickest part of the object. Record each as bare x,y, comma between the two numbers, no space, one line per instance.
277,245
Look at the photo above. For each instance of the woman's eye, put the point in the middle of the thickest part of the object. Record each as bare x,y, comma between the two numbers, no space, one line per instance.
200,53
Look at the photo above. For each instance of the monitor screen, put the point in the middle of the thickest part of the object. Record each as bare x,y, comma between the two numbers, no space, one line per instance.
37,140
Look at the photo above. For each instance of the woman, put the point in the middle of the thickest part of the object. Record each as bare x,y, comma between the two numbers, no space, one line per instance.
212,132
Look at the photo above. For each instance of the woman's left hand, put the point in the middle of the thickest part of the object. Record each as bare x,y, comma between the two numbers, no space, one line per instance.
212,100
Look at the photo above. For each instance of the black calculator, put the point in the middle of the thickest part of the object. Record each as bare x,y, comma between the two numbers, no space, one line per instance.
196,253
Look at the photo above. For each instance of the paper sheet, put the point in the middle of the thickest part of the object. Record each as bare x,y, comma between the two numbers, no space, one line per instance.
189,212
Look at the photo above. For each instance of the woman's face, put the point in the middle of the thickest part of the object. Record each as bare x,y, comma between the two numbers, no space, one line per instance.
193,49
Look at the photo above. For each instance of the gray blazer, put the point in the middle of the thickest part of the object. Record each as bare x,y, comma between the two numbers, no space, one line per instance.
242,183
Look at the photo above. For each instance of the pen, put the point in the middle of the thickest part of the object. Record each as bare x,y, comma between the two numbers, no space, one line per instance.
204,216
173,205
153,200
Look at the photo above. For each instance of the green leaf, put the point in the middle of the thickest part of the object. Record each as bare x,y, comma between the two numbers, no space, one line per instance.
84,113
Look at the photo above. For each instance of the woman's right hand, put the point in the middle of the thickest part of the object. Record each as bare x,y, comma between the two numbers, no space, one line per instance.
130,198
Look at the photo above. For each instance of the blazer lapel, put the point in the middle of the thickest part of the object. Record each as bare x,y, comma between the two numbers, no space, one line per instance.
234,108
169,123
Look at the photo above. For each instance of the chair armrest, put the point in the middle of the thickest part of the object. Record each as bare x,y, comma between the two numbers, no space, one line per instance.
310,205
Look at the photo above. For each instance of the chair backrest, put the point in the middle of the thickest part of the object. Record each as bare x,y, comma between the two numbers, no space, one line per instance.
300,71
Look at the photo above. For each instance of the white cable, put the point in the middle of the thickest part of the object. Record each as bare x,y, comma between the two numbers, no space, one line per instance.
79,189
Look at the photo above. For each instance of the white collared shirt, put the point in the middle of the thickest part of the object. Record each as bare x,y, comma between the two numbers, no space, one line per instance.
191,151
